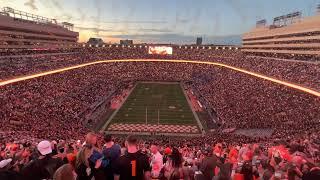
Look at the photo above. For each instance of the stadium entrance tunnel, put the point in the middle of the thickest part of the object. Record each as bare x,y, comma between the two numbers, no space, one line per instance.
257,75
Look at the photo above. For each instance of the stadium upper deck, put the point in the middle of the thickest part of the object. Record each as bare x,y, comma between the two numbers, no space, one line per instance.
22,30
289,34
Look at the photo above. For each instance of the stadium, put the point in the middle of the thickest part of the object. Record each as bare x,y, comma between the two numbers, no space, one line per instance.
254,105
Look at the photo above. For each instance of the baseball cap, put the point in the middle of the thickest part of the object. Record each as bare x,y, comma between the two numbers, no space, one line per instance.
5,162
167,151
44,147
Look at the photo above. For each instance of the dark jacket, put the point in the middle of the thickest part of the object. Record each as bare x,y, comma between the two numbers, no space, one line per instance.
41,168
10,175
81,171
208,166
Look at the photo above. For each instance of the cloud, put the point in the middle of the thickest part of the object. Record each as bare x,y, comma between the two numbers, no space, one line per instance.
235,5
164,30
146,30
82,15
55,7
31,4
181,39
116,21
57,4
94,29
182,21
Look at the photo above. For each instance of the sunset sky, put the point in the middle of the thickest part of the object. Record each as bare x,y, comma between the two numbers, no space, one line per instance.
163,21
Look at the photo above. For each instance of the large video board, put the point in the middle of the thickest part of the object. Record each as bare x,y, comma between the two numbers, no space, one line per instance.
161,50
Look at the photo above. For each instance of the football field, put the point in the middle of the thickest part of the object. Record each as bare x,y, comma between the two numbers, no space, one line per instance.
155,104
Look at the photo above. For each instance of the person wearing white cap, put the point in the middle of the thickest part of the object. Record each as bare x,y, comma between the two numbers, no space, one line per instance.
7,172
5,162
45,166
44,147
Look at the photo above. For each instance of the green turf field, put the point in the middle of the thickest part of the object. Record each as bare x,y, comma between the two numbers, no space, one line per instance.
166,98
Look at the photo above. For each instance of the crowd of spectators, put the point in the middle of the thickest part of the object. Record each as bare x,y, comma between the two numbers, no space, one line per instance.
48,107
102,157
301,72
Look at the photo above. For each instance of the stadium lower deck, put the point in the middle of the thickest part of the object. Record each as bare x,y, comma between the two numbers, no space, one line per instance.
232,90
157,107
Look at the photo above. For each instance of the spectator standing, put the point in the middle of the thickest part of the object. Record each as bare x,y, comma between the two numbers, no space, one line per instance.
44,166
208,164
134,165
112,152
156,161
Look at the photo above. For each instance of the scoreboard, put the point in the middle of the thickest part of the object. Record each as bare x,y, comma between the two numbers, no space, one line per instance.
160,50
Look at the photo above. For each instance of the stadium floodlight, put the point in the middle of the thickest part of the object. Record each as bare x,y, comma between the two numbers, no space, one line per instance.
179,47
84,45
197,47
191,47
134,46
123,46
230,48
236,48
217,48
89,45
210,47
103,45
117,46
97,45
140,46
223,47
129,46
203,47
110,45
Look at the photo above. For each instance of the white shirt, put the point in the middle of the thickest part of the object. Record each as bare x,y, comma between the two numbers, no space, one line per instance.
156,164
